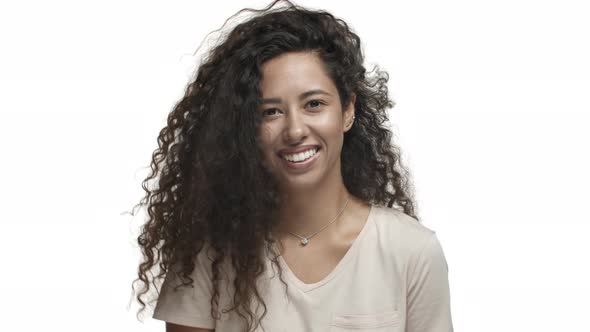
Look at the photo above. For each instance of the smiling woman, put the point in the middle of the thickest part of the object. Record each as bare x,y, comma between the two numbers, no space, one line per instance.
277,159
302,140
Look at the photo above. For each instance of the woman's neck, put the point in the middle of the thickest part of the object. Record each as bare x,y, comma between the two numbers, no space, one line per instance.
307,213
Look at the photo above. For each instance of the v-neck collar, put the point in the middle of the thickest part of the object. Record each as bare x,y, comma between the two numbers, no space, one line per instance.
350,253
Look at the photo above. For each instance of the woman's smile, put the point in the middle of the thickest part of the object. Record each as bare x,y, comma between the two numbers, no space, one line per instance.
301,161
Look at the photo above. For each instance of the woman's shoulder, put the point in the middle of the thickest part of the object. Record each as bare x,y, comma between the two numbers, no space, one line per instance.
397,220
399,232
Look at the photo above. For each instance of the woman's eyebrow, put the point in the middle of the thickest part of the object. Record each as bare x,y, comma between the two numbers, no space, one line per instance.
301,96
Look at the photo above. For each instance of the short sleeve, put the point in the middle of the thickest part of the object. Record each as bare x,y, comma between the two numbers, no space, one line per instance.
428,294
189,306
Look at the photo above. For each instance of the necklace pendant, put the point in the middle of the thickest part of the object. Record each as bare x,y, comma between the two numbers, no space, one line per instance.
304,241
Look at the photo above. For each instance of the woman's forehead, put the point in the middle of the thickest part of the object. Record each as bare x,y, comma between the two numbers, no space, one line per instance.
294,73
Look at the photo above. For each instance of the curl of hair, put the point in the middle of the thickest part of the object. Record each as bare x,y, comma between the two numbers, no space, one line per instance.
212,188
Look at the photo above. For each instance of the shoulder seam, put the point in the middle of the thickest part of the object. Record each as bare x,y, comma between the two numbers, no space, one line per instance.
417,253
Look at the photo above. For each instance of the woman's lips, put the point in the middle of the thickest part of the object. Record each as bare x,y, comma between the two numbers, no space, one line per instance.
301,166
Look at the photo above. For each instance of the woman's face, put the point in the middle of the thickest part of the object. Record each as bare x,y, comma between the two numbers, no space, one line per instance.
301,114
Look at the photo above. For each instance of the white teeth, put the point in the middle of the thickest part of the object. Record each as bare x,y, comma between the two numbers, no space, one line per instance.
298,157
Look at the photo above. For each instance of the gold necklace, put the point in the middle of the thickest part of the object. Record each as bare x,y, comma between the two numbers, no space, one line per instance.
305,239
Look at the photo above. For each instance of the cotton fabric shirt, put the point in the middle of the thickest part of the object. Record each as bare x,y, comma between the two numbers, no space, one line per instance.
394,277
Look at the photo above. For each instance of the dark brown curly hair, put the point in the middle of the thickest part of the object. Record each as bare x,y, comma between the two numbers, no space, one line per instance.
212,188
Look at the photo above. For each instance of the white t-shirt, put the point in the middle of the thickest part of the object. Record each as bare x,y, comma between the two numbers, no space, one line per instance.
394,277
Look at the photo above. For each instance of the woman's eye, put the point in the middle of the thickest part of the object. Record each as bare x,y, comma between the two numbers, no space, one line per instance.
266,111
313,102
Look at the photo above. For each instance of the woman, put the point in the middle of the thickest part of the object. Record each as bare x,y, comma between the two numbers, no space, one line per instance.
274,209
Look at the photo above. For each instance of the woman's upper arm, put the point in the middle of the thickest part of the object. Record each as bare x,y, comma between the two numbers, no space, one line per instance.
187,306
429,307
171,327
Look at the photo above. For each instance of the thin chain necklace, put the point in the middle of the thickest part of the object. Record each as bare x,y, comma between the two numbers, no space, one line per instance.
305,240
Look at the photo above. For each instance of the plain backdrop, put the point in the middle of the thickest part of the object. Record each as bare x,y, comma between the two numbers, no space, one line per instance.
492,109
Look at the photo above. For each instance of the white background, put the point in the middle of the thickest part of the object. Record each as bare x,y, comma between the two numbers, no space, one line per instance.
492,118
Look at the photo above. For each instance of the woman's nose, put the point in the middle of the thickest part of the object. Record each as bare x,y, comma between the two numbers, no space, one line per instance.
295,127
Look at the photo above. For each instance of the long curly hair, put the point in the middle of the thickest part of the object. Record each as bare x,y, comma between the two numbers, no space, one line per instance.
212,186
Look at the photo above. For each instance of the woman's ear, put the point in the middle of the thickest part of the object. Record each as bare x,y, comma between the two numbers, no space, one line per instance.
349,113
